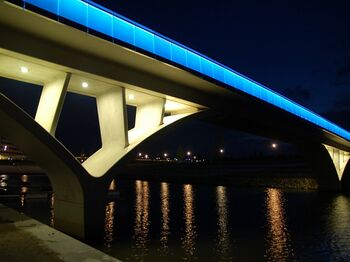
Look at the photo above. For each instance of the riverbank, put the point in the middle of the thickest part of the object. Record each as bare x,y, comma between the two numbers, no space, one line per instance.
26,239
285,174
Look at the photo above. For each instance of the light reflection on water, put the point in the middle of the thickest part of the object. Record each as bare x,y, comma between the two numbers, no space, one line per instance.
142,221
52,211
339,227
24,190
190,234
109,224
165,221
214,223
22,199
277,240
223,245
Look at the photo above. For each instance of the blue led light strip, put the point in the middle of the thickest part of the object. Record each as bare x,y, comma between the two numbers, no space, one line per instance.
104,21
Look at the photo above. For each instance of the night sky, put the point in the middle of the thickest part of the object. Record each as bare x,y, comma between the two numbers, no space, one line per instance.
300,49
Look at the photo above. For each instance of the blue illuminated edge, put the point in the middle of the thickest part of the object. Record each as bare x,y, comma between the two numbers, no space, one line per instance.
241,82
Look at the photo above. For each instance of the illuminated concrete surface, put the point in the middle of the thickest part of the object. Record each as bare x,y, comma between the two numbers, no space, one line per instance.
135,70
39,242
51,102
340,159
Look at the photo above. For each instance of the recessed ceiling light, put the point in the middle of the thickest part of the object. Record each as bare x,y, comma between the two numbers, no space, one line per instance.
24,69
131,97
85,85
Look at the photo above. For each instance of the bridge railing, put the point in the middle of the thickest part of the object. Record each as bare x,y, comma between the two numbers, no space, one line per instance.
96,18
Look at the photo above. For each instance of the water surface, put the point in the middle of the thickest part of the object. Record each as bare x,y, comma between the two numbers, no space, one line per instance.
153,221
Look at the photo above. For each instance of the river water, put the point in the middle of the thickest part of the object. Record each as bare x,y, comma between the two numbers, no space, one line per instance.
152,221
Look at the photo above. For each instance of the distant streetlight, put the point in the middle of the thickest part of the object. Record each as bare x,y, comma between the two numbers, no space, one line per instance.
188,153
146,156
140,154
221,151
165,154
5,147
274,145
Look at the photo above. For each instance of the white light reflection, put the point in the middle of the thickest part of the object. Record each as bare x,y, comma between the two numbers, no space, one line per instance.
189,239
165,209
142,222
52,213
338,227
109,224
223,234
24,190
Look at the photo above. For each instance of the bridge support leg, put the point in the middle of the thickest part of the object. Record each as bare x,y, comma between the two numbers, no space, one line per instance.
51,102
84,217
322,166
340,159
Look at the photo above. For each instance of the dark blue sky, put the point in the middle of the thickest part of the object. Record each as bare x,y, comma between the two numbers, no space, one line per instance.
298,48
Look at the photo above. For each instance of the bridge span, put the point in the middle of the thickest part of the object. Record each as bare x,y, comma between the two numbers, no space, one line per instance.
78,46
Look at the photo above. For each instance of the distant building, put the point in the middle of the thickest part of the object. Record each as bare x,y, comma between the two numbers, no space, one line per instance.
9,151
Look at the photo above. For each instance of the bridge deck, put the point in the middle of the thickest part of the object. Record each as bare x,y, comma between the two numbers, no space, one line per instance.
95,18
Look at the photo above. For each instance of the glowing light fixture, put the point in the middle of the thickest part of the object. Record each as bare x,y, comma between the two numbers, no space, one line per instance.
131,97
85,84
221,151
24,69
165,154
274,145
189,153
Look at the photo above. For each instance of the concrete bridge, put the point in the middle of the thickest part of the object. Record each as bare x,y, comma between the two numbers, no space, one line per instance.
78,46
